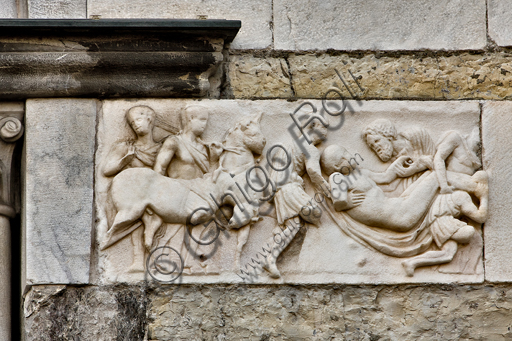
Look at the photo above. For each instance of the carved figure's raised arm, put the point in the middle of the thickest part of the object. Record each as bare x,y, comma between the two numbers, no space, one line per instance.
470,210
165,155
315,172
118,158
402,167
444,149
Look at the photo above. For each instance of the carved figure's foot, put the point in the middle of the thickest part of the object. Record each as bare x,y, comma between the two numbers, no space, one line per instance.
481,177
272,270
408,267
482,183
195,269
210,269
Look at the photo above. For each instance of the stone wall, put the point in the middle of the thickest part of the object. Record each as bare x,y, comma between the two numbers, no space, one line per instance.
383,50
405,312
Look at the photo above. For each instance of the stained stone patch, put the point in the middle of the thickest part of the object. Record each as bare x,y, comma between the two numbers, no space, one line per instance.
59,149
252,77
379,25
219,312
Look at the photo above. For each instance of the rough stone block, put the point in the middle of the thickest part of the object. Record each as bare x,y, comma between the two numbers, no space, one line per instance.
60,141
421,76
253,77
8,9
255,15
497,156
379,25
284,312
499,13
57,9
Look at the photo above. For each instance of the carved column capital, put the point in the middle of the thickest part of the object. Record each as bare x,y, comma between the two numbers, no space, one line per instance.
11,130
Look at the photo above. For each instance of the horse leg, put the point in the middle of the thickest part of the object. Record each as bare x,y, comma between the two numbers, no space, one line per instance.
151,224
138,251
243,236
121,226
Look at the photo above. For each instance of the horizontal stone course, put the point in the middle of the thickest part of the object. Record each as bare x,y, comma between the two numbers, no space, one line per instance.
403,76
404,312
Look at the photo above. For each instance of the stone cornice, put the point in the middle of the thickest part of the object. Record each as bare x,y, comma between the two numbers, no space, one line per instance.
110,58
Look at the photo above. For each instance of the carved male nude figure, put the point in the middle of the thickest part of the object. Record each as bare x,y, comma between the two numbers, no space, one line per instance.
398,214
185,156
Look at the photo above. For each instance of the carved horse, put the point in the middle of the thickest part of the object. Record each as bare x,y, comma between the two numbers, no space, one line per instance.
238,162
141,193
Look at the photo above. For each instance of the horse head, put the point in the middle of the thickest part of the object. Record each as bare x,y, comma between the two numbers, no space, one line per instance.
253,138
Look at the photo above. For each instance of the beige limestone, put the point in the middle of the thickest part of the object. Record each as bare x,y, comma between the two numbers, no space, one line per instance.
461,76
499,13
253,77
57,9
416,76
58,207
496,128
377,25
256,15
317,255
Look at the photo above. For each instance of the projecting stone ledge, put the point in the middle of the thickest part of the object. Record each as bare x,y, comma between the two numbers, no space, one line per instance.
111,58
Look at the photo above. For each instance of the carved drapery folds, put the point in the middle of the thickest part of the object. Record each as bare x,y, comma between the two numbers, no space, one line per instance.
384,199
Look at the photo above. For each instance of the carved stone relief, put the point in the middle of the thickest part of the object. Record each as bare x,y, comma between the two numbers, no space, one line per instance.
275,191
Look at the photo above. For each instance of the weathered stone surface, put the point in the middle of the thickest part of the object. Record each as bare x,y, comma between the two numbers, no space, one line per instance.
341,313
253,77
8,9
57,9
85,313
112,58
496,128
417,76
378,25
429,312
60,142
341,250
256,15
499,14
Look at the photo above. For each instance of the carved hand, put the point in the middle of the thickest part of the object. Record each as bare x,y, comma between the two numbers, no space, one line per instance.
130,154
215,150
447,189
325,190
356,198
406,166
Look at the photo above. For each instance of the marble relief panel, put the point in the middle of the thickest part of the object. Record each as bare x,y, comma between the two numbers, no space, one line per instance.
202,191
